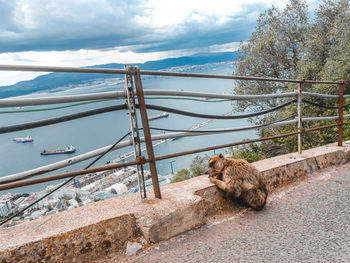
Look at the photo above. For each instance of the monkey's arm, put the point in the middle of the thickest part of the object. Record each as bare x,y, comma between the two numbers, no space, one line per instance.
233,189
216,175
247,186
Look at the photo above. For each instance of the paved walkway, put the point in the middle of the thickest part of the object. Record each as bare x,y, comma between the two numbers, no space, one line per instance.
305,222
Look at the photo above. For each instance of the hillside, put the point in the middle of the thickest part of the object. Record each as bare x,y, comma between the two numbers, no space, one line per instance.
55,80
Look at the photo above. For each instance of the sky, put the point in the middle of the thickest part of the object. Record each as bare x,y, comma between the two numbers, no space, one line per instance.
92,32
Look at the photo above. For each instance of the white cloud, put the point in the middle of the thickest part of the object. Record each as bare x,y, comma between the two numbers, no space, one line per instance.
163,13
89,57
66,24
228,47
91,32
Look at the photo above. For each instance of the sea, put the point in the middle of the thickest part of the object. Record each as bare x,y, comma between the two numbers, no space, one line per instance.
87,134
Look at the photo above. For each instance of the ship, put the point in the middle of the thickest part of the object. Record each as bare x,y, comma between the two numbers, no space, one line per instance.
68,149
23,139
163,115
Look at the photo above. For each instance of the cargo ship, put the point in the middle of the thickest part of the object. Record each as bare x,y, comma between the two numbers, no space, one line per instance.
23,139
163,115
68,149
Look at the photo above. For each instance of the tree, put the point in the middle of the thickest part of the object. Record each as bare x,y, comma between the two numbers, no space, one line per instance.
199,166
251,152
181,175
273,50
318,41
337,64
286,45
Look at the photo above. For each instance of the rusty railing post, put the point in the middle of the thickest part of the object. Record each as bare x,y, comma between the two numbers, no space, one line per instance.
135,135
300,124
340,114
147,133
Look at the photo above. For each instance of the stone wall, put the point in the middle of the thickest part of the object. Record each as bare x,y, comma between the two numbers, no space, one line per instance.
91,232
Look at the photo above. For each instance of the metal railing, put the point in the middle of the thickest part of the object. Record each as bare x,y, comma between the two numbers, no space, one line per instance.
134,90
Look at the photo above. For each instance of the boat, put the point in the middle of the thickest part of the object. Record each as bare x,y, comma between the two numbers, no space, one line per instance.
23,139
163,115
68,149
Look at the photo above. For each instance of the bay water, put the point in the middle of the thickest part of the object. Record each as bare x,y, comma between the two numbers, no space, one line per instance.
87,134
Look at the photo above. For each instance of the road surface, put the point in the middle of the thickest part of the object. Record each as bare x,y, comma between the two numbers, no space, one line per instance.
308,221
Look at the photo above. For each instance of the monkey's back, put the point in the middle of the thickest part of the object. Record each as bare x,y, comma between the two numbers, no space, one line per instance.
241,174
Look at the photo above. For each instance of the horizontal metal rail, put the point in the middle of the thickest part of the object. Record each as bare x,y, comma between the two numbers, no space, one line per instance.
219,96
55,120
323,96
94,153
318,95
5,103
115,95
120,94
123,144
198,75
155,73
70,174
324,118
169,156
141,160
62,69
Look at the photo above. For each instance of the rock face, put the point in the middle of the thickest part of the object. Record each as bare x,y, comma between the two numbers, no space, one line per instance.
81,245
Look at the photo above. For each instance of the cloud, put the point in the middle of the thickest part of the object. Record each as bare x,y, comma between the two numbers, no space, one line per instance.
66,24
88,57
44,25
91,32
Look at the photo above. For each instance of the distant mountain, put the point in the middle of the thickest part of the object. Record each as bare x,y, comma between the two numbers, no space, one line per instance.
55,80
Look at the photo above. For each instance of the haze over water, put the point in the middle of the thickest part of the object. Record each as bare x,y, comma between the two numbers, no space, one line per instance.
90,133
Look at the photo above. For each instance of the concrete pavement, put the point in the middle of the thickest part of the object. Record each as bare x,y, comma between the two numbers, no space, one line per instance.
98,231
307,221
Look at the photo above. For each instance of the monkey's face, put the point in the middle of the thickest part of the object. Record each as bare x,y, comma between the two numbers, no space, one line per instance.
216,165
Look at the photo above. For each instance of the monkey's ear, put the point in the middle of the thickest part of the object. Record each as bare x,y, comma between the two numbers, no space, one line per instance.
221,156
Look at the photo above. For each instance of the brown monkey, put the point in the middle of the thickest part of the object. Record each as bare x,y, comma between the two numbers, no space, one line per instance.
240,179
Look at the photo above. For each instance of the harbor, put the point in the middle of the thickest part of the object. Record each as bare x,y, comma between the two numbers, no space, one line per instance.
87,188
88,134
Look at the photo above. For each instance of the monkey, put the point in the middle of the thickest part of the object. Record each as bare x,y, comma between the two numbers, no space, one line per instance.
240,179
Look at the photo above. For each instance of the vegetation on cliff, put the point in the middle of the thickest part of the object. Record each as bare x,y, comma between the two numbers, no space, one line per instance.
292,44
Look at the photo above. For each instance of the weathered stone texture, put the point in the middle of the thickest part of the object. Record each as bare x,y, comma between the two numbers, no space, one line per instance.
88,233
81,245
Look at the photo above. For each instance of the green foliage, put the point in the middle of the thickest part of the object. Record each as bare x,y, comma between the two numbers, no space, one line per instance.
199,166
286,44
181,175
273,50
251,152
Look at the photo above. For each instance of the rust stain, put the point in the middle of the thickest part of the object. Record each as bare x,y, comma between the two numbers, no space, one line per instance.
148,245
151,201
